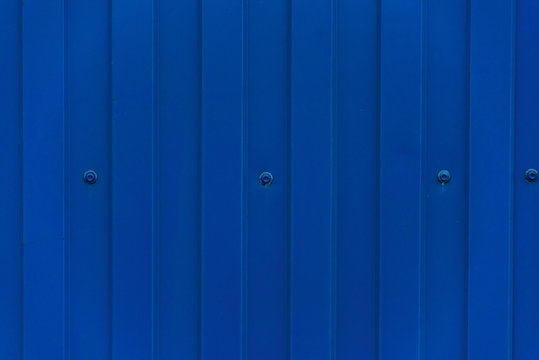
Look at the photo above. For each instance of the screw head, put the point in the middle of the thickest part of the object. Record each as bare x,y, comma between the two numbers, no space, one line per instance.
265,178
90,177
444,176
531,175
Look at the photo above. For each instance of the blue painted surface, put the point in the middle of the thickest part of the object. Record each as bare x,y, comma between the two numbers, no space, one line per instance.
354,251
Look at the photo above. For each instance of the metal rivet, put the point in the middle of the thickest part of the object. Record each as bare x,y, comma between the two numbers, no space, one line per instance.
531,175
90,177
444,176
265,178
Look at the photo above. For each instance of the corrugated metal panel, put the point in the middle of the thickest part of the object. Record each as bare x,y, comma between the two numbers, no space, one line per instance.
355,251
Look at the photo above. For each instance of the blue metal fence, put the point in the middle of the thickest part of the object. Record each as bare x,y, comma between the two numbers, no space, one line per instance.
269,179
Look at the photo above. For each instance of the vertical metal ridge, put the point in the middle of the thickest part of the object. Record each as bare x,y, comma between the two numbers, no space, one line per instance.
423,114
111,182
155,180
511,251
21,169
202,188
244,174
289,181
334,176
378,173
289,185
112,172
467,186
199,275
65,176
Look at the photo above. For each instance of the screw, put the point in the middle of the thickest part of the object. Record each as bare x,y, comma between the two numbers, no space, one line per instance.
531,175
90,177
444,176
265,178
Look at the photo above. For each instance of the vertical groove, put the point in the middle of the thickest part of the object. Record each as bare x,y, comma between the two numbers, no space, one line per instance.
155,180
66,207
21,151
512,109
201,174
467,187
244,174
378,172
111,183
334,174
423,114
289,187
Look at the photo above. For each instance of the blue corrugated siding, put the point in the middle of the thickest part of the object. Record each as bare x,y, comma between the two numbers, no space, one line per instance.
355,251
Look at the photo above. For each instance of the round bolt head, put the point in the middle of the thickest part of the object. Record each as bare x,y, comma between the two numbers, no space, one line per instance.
444,176
265,178
90,177
531,175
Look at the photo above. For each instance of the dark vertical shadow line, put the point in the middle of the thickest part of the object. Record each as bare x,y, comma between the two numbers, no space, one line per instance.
66,352
111,183
200,189
377,328
110,167
21,171
423,114
513,114
289,183
155,180
244,174
334,168
467,187
201,174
